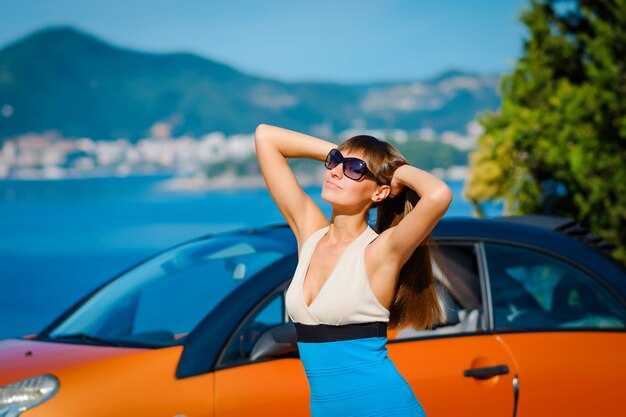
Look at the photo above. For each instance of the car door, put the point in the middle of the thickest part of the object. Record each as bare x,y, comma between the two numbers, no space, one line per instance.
266,387
565,329
457,368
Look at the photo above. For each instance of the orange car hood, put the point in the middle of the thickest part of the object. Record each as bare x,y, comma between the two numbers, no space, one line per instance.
21,358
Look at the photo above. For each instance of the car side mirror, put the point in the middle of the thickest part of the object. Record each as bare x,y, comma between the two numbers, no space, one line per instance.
277,341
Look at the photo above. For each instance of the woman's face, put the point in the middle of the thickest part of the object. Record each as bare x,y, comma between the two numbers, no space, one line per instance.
341,191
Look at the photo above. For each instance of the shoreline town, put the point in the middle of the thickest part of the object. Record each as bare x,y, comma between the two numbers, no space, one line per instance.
48,156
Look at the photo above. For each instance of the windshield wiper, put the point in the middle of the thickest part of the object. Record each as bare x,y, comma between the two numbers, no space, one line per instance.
86,337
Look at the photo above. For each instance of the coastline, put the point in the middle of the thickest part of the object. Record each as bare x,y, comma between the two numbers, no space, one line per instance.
201,182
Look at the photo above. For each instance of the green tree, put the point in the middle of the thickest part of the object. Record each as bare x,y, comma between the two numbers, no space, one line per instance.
557,145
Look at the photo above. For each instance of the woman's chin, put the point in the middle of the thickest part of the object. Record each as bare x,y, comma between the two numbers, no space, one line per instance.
336,201
330,195
325,195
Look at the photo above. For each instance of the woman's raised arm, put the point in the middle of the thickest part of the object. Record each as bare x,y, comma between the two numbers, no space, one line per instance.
273,146
399,242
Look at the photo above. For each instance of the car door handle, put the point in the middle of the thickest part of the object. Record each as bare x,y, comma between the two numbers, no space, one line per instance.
486,372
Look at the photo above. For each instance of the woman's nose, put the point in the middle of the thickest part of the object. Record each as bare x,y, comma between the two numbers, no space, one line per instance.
337,171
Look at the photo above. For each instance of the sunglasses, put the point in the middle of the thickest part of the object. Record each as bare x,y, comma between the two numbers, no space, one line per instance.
353,168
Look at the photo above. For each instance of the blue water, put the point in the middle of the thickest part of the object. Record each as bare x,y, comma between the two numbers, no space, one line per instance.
60,239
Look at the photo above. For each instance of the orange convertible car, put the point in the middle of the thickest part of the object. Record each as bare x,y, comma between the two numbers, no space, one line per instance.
536,326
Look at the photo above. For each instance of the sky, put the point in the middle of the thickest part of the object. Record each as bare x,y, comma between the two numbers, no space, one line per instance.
292,40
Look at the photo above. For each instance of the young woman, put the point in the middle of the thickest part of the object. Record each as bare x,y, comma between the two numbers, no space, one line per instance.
353,282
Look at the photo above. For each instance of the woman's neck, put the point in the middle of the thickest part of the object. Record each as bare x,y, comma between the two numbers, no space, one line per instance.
345,228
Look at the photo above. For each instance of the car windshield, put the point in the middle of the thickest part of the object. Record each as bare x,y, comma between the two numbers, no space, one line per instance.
158,302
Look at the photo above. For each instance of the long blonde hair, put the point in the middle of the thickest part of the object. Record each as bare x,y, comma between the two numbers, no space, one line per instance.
416,301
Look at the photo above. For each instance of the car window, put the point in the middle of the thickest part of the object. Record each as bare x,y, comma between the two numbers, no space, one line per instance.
455,268
267,315
161,300
531,289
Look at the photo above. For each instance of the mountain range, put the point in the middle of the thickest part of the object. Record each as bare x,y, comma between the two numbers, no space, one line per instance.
61,78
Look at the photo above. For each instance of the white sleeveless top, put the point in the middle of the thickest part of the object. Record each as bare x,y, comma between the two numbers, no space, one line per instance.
346,296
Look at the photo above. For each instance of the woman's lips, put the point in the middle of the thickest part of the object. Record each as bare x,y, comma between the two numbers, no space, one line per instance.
332,185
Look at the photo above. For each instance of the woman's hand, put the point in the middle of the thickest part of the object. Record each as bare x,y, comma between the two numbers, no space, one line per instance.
425,184
396,187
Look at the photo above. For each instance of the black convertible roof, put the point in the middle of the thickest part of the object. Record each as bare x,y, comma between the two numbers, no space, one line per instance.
567,226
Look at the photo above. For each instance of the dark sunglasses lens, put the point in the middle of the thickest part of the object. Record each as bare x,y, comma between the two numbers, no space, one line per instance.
333,159
354,168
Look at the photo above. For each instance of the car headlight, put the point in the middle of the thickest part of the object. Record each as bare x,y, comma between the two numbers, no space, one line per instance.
27,393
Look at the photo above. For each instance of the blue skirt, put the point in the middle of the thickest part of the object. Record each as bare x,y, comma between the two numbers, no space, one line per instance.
353,376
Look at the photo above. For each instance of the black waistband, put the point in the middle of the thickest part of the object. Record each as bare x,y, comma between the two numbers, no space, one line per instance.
330,333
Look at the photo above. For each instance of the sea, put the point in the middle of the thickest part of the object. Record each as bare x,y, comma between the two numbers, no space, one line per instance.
60,239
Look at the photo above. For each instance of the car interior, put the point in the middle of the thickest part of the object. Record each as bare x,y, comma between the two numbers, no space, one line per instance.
455,270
